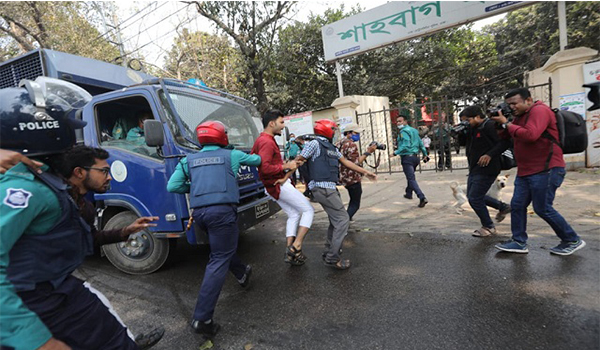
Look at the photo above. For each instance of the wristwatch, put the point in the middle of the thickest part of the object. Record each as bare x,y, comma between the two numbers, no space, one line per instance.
366,154
505,125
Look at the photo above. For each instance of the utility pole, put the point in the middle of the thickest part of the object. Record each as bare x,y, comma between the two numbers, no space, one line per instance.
338,72
106,26
562,25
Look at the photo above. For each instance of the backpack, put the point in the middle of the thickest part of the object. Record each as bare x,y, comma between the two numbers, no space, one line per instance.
572,132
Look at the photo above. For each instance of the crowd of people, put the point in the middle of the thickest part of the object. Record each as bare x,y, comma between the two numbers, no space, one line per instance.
47,223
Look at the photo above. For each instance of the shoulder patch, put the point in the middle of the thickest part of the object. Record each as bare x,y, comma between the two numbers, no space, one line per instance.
17,198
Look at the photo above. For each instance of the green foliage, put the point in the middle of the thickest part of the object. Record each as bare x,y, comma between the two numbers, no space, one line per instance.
209,58
62,26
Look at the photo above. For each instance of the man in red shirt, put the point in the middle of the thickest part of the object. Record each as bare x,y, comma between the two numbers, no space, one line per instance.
540,172
298,209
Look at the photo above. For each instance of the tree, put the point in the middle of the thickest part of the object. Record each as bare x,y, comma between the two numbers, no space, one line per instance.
253,27
208,57
61,26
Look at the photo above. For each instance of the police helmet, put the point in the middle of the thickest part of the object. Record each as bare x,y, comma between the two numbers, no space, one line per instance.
325,127
38,117
212,133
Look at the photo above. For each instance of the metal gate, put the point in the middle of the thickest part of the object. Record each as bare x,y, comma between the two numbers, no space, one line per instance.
435,120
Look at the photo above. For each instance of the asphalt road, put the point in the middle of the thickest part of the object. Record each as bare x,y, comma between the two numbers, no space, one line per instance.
418,281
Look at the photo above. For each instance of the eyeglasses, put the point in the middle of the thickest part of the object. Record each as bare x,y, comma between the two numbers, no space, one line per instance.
104,171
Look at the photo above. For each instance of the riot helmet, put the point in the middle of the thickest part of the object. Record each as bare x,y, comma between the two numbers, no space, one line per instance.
39,117
325,127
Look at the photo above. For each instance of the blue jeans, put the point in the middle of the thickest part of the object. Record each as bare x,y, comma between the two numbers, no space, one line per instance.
355,192
477,187
409,165
540,189
220,224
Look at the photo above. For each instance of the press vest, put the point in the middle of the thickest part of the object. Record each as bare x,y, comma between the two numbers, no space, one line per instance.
324,168
212,179
53,256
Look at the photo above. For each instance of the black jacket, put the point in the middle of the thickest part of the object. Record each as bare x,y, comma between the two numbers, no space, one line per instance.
484,139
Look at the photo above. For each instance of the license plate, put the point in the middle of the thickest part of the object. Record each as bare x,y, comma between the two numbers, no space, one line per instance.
261,209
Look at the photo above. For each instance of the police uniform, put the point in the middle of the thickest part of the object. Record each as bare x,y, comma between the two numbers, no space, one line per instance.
136,135
210,178
43,240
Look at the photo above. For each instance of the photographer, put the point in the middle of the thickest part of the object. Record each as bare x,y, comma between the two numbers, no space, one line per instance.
484,148
348,177
540,172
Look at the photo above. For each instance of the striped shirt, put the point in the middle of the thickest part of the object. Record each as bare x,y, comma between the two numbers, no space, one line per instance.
311,151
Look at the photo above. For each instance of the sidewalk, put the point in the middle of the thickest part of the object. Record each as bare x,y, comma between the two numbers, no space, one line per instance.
383,208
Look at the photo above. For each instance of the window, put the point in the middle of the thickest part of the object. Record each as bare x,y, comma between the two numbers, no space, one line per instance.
119,124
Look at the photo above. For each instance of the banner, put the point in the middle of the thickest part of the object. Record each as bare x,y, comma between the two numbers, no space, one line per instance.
299,124
402,20
591,74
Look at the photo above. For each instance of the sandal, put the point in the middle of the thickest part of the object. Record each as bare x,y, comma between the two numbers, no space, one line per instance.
293,256
484,232
296,253
339,265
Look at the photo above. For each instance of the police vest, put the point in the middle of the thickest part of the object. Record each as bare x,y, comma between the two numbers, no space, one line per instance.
53,256
212,179
325,167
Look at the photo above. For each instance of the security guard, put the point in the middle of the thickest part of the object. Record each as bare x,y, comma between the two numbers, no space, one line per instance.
210,178
323,166
43,238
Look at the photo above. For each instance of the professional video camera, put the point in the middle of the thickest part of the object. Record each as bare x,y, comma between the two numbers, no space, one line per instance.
504,108
380,146
460,127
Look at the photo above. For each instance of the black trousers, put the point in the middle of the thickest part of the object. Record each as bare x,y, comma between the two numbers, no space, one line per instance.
355,192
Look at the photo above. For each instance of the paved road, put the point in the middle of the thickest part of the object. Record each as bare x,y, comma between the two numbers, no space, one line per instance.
418,281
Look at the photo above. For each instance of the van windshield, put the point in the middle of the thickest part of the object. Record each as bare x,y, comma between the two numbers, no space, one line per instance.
194,109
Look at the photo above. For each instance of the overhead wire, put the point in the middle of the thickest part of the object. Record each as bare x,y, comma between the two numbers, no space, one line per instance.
130,17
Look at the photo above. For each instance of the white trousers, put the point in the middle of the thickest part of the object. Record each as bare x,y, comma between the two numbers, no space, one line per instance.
296,206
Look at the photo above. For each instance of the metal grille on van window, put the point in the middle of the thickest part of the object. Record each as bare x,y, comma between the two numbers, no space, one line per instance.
27,67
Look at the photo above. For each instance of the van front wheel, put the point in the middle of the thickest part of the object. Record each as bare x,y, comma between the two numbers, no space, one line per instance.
141,254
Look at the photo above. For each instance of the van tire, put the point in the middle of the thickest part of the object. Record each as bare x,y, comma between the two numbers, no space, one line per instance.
142,254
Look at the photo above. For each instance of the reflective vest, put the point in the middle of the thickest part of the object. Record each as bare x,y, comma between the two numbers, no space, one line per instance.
53,256
325,167
212,179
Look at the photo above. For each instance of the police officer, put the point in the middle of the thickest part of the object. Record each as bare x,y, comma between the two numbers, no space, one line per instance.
323,164
210,178
43,237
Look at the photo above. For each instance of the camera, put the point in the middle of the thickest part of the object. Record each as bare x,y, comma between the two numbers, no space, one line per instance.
504,108
380,146
460,127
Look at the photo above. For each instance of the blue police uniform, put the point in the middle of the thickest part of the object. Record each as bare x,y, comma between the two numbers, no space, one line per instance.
44,239
214,195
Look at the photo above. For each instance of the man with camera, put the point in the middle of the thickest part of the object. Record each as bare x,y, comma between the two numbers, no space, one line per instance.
540,172
409,146
484,148
348,177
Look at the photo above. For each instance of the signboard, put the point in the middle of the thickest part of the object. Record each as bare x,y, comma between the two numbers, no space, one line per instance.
299,124
591,74
402,20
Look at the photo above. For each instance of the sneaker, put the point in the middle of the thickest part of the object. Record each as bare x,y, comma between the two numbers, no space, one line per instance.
423,202
408,197
502,214
513,246
245,280
147,340
567,248
484,232
209,330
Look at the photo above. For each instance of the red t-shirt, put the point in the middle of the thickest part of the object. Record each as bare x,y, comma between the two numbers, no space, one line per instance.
531,149
271,165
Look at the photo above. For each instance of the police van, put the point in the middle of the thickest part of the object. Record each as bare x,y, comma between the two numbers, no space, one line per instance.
140,171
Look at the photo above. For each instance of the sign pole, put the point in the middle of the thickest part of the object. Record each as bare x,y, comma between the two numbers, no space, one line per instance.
562,25
338,72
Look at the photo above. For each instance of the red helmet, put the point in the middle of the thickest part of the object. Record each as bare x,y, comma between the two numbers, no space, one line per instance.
325,127
212,132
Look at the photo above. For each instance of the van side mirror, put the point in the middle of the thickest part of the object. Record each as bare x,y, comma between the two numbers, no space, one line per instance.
154,133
